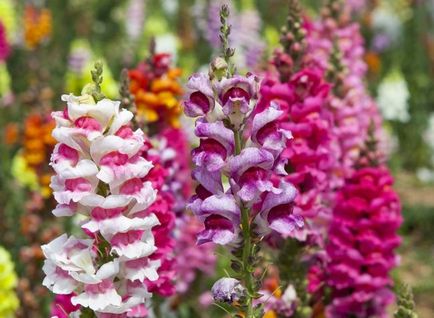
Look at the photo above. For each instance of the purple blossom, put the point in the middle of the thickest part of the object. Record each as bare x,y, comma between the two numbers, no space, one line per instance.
251,169
227,290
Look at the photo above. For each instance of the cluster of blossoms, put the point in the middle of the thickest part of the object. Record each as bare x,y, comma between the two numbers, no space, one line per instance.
156,90
163,232
243,146
37,26
37,145
155,86
301,92
336,41
362,240
101,175
8,281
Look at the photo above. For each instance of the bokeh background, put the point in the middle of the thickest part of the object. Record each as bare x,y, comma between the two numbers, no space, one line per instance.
48,47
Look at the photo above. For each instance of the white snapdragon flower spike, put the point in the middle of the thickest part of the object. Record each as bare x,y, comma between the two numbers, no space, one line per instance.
99,176
393,95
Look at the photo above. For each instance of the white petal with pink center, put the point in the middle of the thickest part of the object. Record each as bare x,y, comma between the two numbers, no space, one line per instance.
107,216
141,269
135,188
74,183
70,254
129,146
65,209
123,118
57,280
135,243
106,271
98,297
103,111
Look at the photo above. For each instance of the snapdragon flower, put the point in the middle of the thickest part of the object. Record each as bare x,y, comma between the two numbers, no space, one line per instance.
241,194
248,162
362,240
100,174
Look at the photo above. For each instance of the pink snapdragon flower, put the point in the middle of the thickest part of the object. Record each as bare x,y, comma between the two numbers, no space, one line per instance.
163,208
362,240
350,106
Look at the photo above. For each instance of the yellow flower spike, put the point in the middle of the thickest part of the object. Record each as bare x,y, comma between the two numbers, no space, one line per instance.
8,281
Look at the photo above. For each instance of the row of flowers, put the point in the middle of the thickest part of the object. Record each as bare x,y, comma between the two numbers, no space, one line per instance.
294,156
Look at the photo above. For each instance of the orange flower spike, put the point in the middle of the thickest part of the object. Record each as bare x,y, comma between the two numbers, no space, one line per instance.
48,137
11,134
37,26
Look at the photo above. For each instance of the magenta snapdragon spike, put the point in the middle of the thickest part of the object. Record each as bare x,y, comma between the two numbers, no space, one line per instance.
243,145
99,174
301,92
362,240
336,46
162,207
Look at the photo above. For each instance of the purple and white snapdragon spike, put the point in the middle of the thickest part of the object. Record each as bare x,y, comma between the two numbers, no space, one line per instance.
241,146
98,174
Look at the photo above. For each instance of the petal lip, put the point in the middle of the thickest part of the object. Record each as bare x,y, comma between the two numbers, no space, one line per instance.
248,158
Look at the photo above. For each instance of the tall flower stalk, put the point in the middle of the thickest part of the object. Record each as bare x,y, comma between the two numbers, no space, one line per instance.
241,196
100,174
362,240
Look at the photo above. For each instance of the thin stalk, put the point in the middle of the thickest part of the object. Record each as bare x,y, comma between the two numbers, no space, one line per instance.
247,244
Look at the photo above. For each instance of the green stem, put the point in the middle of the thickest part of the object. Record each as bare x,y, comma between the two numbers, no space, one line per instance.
247,256
247,244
